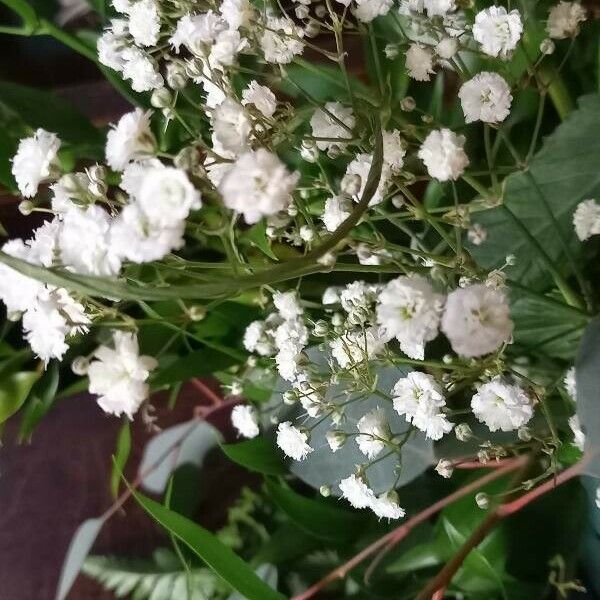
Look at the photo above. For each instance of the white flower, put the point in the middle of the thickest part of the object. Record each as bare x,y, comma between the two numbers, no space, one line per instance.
291,336
447,47
419,62
501,405
17,291
586,219
43,245
373,432
357,492
570,384
52,318
237,13
356,346
122,6
438,7
386,506
258,338
257,185
498,31
227,46
84,242
166,196
361,166
141,68
287,363
564,20
477,234
287,304
134,237
444,468
261,97
131,139
293,441
393,150
34,160
243,418
231,126
118,375
356,299
331,295
486,98
335,439
337,210
443,154
578,435
281,40
367,10
477,320
410,310
144,22
419,398
197,31
369,255
334,121
110,50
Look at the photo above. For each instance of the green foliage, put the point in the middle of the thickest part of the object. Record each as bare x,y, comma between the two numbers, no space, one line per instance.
120,457
258,454
14,390
161,578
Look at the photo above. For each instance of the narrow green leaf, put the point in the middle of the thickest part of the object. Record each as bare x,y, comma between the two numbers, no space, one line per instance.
256,455
318,518
223,561
257,236
120,457
14,390
25,11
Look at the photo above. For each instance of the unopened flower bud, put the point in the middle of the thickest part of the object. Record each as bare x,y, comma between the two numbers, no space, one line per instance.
325,491
482,500
335,439
444,468
327,260
320,329
168,114
398,201
524,434
177,76
350,184
161,98
547,46
310,155
511,260
463,432
334,151
197,312
306,233
313,28
447,47
292,210
408,104
391,51
289,397
80,365
302,11
26,207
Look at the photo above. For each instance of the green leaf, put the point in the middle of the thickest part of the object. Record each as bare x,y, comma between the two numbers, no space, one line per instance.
80,546
120,457
319,518
257,455
257,236
543,200
40,401
25,11
14,390
38,108
223,561
197,364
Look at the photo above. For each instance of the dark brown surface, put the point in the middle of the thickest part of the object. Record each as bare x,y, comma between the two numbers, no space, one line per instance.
49,487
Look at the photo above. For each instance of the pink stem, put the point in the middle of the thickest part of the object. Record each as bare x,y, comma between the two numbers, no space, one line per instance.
205,389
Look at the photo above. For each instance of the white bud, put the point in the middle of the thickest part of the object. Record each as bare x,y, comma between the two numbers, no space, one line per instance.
26,207
350,184
335,439
197,312
306,233
408,104
391,51
327,260
80,365
161,98
444,468
511,260
398,201
292,210
547,46
325,491
313,28
524,434
463,432
302,11
320,329
310,155
482,500
334,151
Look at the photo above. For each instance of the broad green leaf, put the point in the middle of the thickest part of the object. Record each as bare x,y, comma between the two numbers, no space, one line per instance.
80,546
268,573
423,556
562,174
223,561
200,363
587,375
40,401
256,455
185,443
257,237
120,457
317,517
14,390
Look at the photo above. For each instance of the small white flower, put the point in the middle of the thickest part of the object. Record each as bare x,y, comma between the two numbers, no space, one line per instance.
586,219
578,435
501,405
331,295
386,506
393,150
439,7
410,310
354,347
444,468
367,10
570,384
334,121
485,98
374,431
118,375
259,338
477,320
196,32
419,62
144,22
122,6
34,160
43,245
84,242
142,69
337,210
564,20
281,40
419,398
237,13
498,31
110,50
293,441
261,97
243,418
477,234
287,304
131,139
227,46
447,47
357,492
257,185
231,126
443,155
335,439
361,166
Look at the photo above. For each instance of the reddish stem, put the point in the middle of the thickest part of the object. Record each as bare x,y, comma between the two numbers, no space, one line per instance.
439,595
475,464
395,536
207,391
